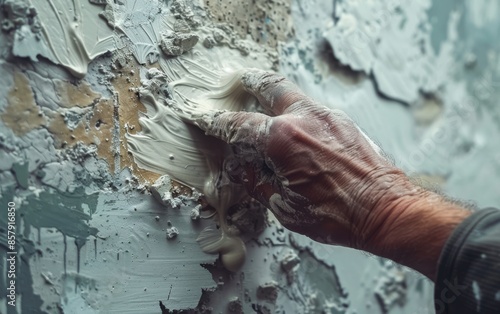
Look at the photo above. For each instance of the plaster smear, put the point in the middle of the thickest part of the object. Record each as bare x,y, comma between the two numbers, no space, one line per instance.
68,33
169,145
140,23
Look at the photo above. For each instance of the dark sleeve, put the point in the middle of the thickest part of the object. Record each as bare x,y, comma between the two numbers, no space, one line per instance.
468,278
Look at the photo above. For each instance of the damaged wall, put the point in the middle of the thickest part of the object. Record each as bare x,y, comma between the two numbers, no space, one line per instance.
88,89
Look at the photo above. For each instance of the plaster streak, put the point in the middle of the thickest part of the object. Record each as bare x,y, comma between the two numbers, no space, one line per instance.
125,84
140,23
72,34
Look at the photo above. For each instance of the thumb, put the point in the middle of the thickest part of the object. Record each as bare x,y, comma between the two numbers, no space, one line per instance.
236,127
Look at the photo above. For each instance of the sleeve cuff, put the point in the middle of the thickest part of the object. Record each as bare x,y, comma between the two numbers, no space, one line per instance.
460,263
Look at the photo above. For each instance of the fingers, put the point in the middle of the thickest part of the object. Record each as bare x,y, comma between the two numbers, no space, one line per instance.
235,127
275,93
254,175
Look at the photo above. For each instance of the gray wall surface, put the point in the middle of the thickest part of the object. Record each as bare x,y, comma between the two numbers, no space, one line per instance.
97,231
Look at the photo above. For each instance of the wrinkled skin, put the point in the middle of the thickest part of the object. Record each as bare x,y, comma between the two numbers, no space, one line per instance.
310,165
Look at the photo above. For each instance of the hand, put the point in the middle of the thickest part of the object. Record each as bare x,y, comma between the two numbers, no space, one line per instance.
310,165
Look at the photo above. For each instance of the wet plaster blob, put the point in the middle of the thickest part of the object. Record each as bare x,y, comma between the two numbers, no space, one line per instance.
170,144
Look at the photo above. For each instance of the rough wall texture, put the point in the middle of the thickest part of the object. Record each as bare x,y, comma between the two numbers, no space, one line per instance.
420,77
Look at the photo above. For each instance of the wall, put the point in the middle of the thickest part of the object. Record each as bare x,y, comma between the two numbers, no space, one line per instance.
88,84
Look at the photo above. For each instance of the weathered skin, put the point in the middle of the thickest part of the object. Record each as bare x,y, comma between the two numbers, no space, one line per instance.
312,166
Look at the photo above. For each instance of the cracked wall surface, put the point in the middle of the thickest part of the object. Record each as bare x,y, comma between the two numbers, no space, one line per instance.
98,233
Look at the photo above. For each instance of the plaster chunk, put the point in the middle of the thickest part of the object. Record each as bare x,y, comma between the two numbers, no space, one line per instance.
176,44
268,291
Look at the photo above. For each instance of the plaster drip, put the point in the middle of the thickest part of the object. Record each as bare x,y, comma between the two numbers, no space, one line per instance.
169,144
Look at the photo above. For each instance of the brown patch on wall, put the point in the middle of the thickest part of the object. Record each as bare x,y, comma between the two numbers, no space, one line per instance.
79,95
268,22
125,84
97,130
22,114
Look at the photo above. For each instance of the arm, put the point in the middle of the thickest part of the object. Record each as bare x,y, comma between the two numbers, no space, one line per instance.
416,230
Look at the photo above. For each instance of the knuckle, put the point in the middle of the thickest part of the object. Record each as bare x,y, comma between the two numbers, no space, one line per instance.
283,133
239,128
297,103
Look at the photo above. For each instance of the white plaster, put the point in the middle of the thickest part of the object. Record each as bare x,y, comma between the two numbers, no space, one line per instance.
72,35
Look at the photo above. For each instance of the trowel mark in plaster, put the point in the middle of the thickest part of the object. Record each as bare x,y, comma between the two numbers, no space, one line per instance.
140,23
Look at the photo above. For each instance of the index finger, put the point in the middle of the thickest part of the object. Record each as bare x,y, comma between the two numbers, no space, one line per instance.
276,94
235,127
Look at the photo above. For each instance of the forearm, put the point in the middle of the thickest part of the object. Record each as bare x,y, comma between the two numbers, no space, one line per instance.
415,231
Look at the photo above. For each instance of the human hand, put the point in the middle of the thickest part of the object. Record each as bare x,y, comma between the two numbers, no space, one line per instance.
310,165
